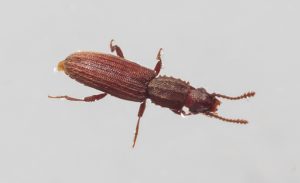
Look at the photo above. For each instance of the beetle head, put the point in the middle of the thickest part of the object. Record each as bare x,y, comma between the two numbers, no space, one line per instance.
199,101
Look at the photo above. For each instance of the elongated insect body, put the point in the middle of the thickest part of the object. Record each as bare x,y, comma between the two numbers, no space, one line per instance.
116,76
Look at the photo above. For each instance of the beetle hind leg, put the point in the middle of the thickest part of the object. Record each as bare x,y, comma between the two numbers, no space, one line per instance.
116,48
140,114
92,98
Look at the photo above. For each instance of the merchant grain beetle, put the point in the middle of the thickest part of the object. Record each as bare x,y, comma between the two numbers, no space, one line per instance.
127,80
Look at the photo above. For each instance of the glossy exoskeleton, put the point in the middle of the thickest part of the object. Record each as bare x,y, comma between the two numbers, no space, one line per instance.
127,80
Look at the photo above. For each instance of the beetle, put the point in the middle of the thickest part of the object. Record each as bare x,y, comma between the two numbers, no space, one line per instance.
127,80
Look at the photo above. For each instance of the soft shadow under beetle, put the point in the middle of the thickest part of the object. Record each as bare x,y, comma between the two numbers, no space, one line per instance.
127,80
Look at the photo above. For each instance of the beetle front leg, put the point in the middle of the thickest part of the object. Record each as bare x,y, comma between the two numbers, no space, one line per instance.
140,114
116,48
159,63
92,98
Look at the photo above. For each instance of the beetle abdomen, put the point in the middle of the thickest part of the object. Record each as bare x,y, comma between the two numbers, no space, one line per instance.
111,74
168,92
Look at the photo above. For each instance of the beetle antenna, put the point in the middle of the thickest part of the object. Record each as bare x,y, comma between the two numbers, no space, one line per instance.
214,115
245,95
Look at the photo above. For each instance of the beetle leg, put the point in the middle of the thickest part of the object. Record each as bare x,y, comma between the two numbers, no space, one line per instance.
140,114
85,99
116,48
159,63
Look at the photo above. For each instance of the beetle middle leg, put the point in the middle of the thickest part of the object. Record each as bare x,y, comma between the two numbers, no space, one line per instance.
140,114
159,63
92,98
116,48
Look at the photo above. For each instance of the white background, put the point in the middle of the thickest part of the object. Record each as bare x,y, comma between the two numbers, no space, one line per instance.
228,47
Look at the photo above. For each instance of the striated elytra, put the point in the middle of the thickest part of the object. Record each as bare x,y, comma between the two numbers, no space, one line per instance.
127,80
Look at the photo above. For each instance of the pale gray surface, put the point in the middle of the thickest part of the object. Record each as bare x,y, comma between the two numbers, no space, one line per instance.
225,46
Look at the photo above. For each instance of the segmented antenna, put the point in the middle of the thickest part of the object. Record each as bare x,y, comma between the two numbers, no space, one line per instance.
245,95
214,115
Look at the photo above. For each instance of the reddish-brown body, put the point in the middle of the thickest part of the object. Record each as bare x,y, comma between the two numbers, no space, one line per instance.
127,80
111,74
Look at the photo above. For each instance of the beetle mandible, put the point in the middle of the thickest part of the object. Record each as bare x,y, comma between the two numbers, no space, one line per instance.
127,80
